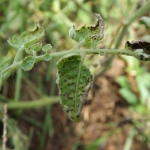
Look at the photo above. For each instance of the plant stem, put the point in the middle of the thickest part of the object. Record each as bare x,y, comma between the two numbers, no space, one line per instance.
129,141
44,101
13,67
18,84
32,85
91,51
18,55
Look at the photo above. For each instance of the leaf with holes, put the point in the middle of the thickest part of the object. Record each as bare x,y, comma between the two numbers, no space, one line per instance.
26,38
73,80
89,35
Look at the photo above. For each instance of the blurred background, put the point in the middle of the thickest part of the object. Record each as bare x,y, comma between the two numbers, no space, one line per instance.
116,113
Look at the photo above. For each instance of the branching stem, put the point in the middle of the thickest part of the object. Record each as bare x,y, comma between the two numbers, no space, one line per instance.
5,73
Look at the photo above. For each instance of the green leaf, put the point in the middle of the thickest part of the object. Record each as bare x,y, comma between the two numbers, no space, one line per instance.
73,81
46,48
26,38
123,82
128,96
146,21
100,140
142,82
139,108
89,35
47,57
33,48
28,63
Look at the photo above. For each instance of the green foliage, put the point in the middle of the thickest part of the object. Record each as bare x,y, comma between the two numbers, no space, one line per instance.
5,61
46,48
28,63
27,41
27,38
126,90
137,95
146,21
99,141
56,17
128,96
73,78
89,35
34,48
137,102
47,57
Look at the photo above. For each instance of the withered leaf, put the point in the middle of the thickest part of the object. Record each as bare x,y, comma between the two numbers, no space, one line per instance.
139,44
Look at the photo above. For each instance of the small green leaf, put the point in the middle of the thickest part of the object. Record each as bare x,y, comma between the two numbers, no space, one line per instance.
146,21
28,63
37,47
89,35
46,48
33,48
27,38
73,80
47,57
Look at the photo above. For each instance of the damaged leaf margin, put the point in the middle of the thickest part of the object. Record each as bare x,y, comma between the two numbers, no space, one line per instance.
140,45
89,35
27,38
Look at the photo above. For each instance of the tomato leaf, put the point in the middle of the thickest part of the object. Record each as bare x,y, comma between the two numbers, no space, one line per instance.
26,38
28,63
89,35
73,80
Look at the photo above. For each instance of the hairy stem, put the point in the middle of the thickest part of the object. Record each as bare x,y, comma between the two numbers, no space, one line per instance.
18,55
13,67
